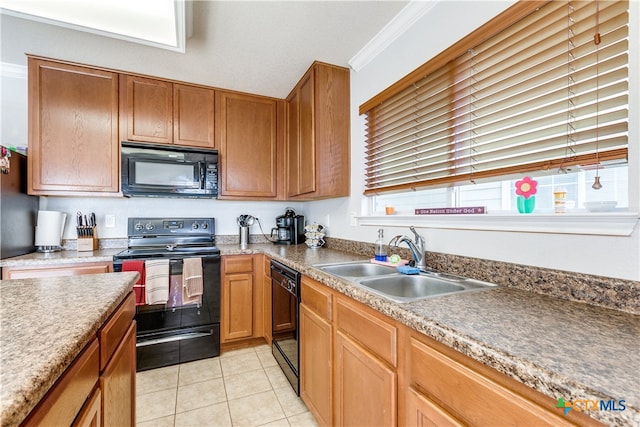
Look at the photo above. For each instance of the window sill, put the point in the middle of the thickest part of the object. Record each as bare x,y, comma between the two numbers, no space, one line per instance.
602,224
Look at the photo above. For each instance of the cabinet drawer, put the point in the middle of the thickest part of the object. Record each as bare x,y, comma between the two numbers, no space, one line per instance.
115,328
66,398
473,398
316,297
237,264
368,329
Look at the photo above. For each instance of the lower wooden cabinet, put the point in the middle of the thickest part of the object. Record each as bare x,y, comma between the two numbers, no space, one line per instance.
452,387
32,272
360,367
85,394
118,384
316,349
348,360
365,387
241,311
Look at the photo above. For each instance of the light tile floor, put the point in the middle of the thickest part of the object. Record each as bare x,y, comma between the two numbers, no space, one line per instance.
240,388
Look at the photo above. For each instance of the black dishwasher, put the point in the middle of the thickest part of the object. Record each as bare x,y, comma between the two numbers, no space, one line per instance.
285,298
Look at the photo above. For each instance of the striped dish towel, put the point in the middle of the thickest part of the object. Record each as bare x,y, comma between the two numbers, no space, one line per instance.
192,286
157,283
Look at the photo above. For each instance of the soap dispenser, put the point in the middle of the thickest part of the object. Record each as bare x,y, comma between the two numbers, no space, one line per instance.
381,249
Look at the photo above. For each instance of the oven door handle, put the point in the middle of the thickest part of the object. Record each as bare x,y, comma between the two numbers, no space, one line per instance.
187,336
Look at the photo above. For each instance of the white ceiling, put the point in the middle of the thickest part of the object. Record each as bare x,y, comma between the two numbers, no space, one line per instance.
260,47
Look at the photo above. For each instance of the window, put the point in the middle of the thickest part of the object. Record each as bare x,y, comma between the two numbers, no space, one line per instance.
529,93
499,196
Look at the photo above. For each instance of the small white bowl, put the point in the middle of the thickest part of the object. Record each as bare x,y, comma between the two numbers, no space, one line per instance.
607,206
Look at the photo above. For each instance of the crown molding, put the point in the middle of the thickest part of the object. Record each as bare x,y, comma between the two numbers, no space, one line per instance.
400,23
13,70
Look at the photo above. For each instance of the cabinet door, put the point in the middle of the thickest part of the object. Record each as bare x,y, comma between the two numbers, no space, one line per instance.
315,365
293,144
365,387
91,413
301,157
118,383
73,130
148,110
193,116
246,135
307,148
237,306
421,412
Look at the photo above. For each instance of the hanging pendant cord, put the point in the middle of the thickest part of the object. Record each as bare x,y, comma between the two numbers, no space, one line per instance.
596,41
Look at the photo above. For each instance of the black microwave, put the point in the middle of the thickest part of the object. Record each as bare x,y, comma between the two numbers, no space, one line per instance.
161,171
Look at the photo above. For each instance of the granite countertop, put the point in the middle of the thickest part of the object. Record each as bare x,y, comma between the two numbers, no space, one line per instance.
560,348
45,323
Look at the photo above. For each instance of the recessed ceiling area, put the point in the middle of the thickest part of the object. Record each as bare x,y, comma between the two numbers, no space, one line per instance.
159,23
259,47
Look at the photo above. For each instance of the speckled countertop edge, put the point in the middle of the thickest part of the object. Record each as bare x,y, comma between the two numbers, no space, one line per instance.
60,257
477,329
32,359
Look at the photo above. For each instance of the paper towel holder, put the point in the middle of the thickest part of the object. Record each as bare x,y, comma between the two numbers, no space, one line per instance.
49,229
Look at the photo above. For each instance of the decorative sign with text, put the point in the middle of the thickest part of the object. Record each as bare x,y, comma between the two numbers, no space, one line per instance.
474,210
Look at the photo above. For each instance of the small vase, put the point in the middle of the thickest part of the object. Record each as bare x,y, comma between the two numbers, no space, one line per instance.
526,205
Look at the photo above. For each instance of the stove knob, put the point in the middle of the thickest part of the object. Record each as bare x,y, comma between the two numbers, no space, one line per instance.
138,227
204,226
195,226
149,226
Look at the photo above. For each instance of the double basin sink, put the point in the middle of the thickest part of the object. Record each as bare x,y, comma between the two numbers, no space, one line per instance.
387,282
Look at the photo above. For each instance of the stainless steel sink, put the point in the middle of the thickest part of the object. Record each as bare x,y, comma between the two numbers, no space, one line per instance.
388,283
358,269
403,287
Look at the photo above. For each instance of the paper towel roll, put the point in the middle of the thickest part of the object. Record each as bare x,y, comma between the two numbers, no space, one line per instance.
49,228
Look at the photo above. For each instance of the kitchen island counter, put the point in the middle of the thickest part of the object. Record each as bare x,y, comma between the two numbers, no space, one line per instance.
45,324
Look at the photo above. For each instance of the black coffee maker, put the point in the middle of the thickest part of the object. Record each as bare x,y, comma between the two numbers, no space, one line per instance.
289,229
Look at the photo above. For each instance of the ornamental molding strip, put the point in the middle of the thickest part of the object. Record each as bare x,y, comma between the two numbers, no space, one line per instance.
400,23
13,70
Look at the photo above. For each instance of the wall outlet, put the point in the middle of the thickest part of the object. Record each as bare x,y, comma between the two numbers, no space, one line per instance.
327,220
353,219
109,221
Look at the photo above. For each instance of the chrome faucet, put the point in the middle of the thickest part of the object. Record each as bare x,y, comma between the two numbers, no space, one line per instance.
416,248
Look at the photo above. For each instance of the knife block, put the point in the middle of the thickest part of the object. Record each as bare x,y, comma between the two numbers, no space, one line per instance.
86,244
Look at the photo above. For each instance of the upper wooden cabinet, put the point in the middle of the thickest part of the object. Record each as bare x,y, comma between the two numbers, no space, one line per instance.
248,134
162,112
73,130
193,116
148,109
318,128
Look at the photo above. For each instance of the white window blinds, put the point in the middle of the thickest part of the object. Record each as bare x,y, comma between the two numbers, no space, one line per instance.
537,95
